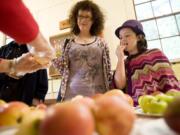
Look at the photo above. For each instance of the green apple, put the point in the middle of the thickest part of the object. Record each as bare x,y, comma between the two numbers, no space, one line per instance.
31,122
173,92
140,100
163,97
157,106
145,102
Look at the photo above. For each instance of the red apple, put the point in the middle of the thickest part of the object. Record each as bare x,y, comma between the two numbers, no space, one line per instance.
89,102
68,118
129,99
41,106
121,94
97,95
113,116
115,92
77,97
172,115
11,113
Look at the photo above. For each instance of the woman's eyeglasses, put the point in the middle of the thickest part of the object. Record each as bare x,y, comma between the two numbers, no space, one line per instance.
80,17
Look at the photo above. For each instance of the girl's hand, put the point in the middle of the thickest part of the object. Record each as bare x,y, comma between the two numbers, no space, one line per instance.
120,51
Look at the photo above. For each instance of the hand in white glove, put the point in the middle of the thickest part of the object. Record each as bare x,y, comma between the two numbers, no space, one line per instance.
41,50
27,64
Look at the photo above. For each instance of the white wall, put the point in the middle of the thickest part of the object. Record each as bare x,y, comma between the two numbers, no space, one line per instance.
48,13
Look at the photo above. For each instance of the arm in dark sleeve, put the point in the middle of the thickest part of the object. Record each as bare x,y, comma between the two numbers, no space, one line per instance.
3,51
17,21
42,84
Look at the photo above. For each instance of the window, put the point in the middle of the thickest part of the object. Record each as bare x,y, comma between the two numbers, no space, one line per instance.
161,22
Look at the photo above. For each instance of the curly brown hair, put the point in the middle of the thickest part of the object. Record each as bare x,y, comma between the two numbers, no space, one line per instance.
97,17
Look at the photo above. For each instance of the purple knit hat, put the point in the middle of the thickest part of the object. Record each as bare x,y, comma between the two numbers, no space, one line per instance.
135,25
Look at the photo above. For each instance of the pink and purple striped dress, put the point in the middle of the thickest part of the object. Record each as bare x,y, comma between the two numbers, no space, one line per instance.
148,72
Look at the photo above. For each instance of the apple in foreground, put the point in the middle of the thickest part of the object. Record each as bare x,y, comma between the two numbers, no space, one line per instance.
113,116
11,113
31,121
163,97
115,92
2,102
157,106
144,102
87,101
41,106
172,115
173,92
68,118
121,94
129,99
153,104
97,95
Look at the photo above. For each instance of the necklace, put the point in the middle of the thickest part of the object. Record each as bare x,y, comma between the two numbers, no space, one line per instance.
85,40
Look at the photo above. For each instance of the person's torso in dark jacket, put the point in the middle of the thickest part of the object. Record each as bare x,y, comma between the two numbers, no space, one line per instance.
23,89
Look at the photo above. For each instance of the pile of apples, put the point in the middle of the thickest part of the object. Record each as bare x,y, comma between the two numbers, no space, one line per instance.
111,113
157,102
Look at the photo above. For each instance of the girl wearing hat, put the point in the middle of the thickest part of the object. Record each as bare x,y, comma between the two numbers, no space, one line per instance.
143,71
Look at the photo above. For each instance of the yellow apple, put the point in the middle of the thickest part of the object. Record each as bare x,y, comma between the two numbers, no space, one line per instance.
2,102
11,113
31,121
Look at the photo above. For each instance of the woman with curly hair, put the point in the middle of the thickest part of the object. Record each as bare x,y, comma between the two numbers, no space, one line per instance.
84,63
